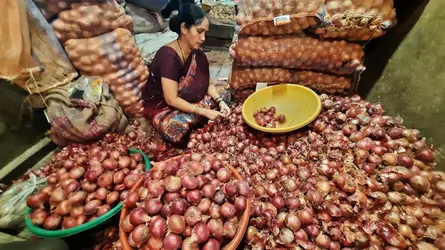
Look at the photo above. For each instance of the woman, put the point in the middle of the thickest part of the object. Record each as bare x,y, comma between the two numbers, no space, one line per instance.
178,93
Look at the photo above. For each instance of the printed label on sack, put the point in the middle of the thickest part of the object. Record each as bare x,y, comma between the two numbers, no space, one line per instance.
281,20
260,85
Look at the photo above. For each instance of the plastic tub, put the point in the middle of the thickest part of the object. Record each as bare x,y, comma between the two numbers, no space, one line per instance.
86,226
243,221
299,104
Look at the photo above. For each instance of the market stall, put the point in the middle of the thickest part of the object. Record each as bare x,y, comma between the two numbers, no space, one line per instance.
301,164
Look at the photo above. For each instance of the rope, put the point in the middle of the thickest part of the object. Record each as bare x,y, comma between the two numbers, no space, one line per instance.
35,85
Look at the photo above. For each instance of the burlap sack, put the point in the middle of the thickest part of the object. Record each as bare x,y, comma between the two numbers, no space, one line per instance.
79,120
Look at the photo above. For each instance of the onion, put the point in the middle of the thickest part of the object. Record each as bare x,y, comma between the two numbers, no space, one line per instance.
305,216
179,206
124,162
105,179
195,167
240,203
140,235
189,182
155,188
77,198
216,227
209,191
154,244
172,183
176,224
194,197
153,206
204,205
101,210
228,210
112,198
212,244
130,180
201,232
52,222
138,216
76,172
323,241
38,217
131,199
172,241
425,155
223,175
190,244
37,200
219,198
229,189
192,216
292,222
91,207
230,229
286,236
110,164
420,183
158,227
101,193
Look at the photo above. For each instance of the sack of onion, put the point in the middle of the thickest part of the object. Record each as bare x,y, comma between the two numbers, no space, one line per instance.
265,26
299,52
187,202
90,19
353,179
247,77
85,192
356,21
114,57
50,8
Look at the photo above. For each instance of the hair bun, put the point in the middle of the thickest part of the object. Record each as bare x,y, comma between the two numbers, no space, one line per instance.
175,24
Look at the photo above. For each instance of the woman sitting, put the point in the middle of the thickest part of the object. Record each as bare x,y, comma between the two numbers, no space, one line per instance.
178,94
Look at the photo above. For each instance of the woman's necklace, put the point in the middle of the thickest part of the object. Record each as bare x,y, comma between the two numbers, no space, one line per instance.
182,53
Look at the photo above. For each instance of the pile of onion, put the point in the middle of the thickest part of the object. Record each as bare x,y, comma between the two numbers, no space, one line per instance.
153,146
268,117
187,202
86,187
353,179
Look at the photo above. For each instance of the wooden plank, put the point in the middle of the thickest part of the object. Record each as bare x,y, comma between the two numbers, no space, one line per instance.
23,157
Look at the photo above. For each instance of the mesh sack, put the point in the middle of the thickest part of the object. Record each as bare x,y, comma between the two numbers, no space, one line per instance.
115,57
257,17
247,77
297,51
264,27
50,8
86,20
356,20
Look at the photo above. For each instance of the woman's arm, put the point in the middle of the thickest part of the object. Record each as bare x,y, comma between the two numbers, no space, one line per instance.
213,92
170,90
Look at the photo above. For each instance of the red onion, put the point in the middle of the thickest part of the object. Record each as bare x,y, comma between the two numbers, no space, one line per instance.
212,244
240,203
189,182
194,197
230,229
124,162
158,227
425,155
37,200
153,206
176,224
172,183
131,199
139,236
179,206
138,216
105,179
224,175
192,216
112,198
155,188
305,216
292,222
204,205
216,228
52,222
228,210
38,217
201,232
101,210
209,191
172,241
286,236
190,244
76,172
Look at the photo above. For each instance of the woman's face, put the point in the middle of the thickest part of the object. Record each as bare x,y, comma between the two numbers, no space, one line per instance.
196,35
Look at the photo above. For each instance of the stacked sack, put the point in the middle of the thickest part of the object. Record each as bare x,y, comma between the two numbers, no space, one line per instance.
98,40
276,43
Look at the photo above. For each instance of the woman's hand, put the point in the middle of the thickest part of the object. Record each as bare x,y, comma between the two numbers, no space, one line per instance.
225,110
210,114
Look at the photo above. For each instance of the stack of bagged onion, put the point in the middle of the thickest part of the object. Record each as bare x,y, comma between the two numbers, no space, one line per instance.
353,179
187,202
86,187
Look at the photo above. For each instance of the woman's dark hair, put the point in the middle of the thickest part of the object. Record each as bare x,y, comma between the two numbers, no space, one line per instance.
189,14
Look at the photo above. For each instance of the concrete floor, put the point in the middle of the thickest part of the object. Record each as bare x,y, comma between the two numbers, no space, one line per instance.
406,70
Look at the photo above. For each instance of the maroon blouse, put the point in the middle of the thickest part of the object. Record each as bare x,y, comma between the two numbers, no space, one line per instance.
168,64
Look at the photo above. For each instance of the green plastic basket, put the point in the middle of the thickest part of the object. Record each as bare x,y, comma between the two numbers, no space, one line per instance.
84,227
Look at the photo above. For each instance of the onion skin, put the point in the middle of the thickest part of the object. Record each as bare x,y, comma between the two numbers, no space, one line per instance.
52,222
37,200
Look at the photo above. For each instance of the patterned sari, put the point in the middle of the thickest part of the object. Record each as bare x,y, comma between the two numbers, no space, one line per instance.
174,125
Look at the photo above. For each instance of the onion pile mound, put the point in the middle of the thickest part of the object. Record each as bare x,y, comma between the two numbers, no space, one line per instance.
268,117
353,179
188,202
85,188
154,148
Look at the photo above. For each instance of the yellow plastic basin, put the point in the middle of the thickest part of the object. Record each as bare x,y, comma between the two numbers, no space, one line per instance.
300,104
